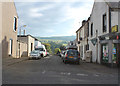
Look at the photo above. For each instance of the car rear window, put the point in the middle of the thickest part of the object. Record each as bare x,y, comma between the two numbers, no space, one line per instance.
73,53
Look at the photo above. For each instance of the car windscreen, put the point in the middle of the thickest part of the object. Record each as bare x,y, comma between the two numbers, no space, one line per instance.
34,52
72,53
40,49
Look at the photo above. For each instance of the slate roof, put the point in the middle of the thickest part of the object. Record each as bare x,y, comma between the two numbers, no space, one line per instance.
114,4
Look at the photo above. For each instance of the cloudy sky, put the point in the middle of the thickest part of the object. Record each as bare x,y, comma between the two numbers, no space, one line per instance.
53,18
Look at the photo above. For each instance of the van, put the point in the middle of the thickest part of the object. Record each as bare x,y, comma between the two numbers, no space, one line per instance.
42,50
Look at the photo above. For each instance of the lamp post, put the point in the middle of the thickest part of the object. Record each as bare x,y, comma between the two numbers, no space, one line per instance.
20,36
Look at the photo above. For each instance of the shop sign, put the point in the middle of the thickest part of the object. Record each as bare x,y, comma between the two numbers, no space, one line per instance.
114,54
115,28
114,50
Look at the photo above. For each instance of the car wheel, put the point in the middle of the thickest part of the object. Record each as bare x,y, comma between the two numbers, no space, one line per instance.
78,62
41,55
65,62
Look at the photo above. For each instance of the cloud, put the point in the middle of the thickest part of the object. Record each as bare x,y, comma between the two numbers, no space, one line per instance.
35,14
53,18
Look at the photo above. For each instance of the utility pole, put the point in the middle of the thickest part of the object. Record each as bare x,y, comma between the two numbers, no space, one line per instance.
20,37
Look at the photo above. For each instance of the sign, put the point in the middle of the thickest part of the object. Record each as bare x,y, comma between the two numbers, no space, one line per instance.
115,28
114,50
94,41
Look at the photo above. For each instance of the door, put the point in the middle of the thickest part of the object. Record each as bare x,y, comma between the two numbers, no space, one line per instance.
105,54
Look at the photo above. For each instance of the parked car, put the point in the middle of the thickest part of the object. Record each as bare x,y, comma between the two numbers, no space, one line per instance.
62,54
42,50
71,56
48,53
34,55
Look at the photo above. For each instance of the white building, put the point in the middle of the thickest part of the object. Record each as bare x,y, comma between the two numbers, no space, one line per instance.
104,32
82,39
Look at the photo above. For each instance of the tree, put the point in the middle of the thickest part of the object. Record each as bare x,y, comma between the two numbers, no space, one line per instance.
62,47
57,50
48,47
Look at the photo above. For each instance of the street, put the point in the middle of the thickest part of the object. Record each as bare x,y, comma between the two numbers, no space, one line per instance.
51,70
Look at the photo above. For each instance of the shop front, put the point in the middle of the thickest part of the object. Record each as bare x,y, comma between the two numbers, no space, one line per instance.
110,50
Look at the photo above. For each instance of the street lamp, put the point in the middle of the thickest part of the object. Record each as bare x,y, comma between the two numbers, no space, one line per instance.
20,37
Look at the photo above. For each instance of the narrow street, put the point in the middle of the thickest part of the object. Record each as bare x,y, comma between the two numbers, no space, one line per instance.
51,70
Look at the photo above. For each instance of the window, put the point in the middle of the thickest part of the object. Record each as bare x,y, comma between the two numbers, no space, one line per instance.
10,46
92,29
88,31
104,23
15,23
87,47
31,46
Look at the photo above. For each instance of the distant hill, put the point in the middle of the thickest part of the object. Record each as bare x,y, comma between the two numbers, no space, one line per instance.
63,38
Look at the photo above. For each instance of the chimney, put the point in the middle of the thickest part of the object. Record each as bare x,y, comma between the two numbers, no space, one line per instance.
83,22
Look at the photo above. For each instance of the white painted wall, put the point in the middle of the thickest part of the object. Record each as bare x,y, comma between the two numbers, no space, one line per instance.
99,9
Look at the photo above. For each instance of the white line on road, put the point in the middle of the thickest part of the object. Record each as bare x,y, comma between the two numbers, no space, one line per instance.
79,74
65,73
43,72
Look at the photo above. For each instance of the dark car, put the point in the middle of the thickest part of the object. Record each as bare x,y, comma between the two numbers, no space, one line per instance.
71,56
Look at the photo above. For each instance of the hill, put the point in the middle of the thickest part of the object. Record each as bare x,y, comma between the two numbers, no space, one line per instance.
63,38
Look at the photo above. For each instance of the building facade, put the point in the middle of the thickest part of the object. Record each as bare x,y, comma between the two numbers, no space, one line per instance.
104,33
9,29
82,39
28,42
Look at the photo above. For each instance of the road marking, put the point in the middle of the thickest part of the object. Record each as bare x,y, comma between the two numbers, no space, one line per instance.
68,73
96,75
43,72
65,73
79,74
47,57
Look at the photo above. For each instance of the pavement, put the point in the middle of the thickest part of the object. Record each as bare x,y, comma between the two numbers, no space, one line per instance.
51,70
11,61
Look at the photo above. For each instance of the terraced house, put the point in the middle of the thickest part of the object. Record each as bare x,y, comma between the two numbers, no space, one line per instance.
104,33
9,29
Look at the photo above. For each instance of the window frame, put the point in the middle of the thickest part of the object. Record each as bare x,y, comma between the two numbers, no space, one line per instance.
104,17
91,29
15,24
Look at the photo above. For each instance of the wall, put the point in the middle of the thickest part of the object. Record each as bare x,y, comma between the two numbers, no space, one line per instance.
22,52
1,44
30,40
8,14
99,9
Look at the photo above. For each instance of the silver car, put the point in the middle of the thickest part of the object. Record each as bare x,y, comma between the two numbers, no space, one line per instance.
35,54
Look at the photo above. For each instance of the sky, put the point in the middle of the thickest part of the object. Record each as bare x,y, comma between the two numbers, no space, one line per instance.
51,18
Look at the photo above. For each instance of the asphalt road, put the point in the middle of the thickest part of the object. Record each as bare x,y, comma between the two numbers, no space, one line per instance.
51,70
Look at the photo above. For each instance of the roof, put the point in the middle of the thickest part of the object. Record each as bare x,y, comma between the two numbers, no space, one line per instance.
27,36
83,25
113,4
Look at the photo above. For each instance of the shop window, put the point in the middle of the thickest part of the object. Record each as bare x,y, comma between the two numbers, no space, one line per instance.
114,53
105,53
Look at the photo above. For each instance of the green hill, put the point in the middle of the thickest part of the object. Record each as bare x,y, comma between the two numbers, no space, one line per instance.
63,38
